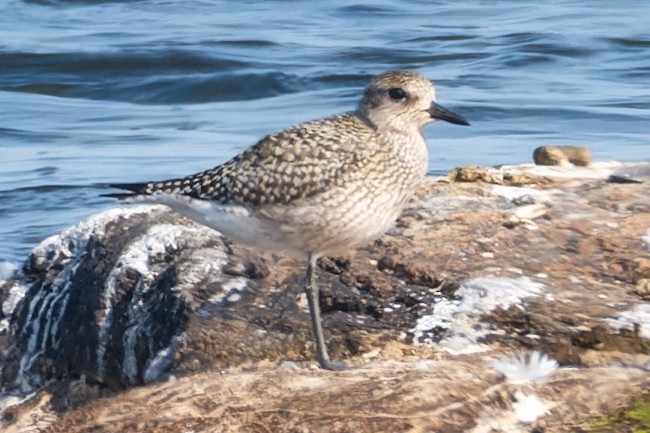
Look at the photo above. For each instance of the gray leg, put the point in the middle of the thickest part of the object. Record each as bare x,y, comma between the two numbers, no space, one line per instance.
311,290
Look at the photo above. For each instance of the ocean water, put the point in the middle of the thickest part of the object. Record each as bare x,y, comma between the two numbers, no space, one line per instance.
97,91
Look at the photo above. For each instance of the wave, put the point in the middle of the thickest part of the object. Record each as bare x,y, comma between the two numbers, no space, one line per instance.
74,2
148,77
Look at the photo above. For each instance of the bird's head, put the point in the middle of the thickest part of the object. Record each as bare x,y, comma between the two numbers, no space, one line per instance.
403,99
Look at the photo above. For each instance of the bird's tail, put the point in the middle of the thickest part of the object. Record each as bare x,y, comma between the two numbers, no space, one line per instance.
134,190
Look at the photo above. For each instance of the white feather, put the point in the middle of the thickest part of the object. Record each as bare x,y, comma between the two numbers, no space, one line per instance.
526,366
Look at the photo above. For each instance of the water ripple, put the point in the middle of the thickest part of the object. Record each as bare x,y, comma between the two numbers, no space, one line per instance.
143,77
142,62
630,43
403,57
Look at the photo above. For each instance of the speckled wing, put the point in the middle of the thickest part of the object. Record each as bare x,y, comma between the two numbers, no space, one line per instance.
293,164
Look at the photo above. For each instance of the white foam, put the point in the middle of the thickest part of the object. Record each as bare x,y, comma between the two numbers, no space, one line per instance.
231,289
639,316
461,318
16,293
74,238
528,407
646,238
511,193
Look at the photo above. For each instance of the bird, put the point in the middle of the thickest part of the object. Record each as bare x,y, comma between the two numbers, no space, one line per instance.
320,188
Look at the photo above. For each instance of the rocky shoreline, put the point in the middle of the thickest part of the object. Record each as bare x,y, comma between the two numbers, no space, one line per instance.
139,320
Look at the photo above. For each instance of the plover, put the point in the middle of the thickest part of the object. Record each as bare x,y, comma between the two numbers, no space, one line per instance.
319,188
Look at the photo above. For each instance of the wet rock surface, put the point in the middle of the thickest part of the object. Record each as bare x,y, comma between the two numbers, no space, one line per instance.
216,337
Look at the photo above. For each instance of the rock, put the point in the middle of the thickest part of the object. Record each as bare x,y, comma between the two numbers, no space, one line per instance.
562,155
446,395
107,298
630,174
473,275
494,176
642,288
474,174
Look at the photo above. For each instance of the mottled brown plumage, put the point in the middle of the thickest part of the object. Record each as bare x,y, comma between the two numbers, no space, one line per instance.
319,188
281,168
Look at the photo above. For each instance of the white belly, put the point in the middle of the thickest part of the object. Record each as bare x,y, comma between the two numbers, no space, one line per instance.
236,223
317,225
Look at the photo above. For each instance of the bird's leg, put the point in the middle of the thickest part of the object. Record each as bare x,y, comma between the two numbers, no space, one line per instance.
311,290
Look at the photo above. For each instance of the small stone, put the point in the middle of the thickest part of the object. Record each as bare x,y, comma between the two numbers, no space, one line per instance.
565,156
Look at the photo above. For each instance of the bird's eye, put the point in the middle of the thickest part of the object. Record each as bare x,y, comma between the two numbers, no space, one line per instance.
397,94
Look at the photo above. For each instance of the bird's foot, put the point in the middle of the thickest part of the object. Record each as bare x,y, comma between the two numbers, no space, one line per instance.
328,364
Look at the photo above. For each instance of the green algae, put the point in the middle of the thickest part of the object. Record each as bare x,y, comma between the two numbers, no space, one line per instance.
632,419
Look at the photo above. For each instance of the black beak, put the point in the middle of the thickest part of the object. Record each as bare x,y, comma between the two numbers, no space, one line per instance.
439,112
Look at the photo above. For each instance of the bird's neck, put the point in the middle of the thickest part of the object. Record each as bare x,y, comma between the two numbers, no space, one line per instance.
387,123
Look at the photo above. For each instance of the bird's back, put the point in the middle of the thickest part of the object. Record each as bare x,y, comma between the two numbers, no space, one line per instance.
291,165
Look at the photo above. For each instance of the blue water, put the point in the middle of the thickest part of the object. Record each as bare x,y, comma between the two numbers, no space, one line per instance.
99,91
